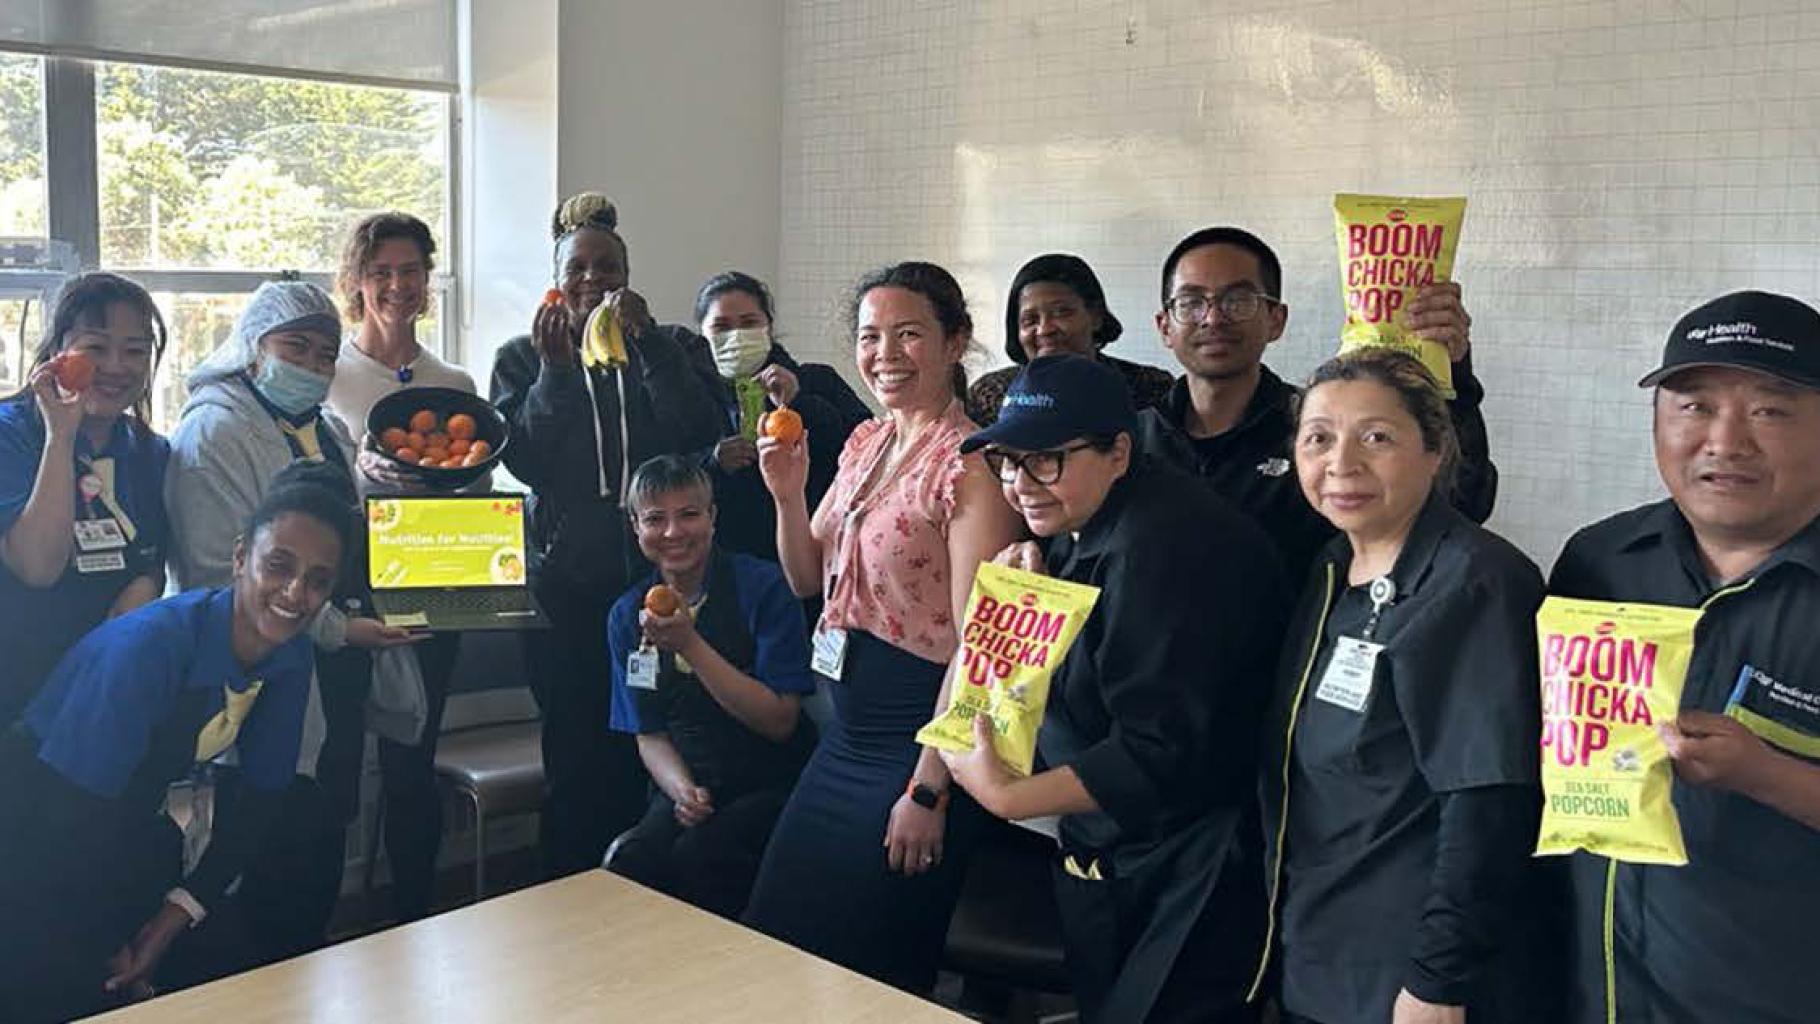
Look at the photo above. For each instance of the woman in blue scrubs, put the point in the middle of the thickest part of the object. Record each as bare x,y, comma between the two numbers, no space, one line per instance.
82,528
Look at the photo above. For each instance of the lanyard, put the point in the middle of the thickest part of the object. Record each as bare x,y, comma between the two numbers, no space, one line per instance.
1383,591
101,470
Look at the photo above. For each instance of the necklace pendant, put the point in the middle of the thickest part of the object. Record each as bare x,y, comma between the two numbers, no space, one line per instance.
405,373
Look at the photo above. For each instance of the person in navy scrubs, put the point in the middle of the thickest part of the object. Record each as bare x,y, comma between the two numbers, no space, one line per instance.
94,890
82,528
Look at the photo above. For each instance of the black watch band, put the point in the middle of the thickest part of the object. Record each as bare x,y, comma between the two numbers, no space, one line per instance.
923,796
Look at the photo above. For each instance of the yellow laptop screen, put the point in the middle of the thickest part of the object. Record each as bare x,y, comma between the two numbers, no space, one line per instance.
445,542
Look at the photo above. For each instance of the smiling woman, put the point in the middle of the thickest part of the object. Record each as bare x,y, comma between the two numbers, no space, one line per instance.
82,524
132,709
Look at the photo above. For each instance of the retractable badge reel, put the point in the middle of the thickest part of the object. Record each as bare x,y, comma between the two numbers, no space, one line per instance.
641,667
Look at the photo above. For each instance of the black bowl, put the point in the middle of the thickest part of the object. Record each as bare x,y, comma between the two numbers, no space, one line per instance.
396,410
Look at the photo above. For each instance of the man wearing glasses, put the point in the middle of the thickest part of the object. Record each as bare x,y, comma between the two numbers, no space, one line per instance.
1228,419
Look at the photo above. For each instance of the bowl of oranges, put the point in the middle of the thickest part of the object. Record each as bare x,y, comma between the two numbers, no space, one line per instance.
441,437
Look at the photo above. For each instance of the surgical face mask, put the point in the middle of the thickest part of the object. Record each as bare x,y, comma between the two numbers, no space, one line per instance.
290,387
740,352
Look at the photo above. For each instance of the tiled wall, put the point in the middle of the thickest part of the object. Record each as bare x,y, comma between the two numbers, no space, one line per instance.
1624,160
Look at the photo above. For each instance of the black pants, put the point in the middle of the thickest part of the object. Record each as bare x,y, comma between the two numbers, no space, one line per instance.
710,865
594,783
413,807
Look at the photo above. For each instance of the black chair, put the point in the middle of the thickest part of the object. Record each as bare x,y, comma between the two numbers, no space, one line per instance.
1006,935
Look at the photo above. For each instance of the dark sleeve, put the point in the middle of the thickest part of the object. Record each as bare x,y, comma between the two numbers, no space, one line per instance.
543,403
1481,853
19,455
1466,684
1182,680
1475,489
686,413
1573,574
828,385
233,845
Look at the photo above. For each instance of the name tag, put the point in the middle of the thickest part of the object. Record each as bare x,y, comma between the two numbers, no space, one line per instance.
830,652
99,535
641,669
100,561
1779,711
1347,681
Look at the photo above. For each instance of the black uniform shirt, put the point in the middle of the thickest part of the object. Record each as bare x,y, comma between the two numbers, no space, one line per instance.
1253,467
1453,705
1728,937
1157,704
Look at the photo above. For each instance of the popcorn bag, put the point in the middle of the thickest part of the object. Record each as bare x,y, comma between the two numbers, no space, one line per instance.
1610,674
1018,628
1390,248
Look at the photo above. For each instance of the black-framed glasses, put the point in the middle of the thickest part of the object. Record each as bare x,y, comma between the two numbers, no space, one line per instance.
1043,467
1235,304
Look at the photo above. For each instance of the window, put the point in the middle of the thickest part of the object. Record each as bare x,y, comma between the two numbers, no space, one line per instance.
201,184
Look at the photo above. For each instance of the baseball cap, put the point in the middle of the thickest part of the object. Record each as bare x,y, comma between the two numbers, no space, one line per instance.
1750,330
1054,400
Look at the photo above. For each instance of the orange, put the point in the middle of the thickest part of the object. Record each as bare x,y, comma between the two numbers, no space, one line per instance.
459,446
428,459
394,438
452,462
480,449
552,297
436,439
75,371
423,421
415,442
462,427
471,459
403,454
435,454
785,425
663,600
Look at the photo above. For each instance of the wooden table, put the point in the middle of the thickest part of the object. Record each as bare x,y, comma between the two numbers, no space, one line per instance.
591,947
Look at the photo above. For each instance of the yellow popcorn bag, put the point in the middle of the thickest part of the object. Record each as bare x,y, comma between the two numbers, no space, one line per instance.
1611,673
1390,248
1018,628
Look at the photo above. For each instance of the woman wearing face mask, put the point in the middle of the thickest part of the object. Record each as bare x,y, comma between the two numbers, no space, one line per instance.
1400,775
1057,307
255,406
865,864
757,375
93,886
585,411
82,526
1148,742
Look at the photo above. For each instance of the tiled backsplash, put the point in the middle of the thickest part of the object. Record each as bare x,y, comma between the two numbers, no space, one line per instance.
1624,161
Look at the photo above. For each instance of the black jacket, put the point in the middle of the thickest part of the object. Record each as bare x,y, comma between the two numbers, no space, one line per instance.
1253,465
579,531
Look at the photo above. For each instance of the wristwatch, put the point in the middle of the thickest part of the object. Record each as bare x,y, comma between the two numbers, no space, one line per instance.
923,796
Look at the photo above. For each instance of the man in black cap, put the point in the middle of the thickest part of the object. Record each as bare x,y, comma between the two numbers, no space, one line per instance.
1149,738
1737,439
1228,418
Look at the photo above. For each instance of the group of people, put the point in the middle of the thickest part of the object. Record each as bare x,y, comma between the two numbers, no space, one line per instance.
1294,752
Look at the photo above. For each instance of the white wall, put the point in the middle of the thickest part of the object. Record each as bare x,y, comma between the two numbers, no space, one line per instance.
675,110
1625,160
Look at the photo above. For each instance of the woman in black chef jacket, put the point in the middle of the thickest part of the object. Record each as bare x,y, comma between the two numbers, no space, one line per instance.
1149,738
1401,790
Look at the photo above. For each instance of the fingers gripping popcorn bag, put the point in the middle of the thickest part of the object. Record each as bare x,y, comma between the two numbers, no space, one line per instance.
1610,674
1018,628
1390,249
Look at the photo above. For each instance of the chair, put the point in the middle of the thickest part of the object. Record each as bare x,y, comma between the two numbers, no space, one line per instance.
1006,931
499,770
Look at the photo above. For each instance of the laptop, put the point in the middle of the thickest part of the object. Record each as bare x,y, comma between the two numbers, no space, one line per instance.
447,563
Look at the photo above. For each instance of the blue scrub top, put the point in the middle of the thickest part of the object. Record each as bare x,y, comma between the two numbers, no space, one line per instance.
120,714
37,625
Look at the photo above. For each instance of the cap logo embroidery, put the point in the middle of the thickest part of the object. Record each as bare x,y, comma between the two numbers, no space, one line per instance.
1034,401
1273,467
1742,331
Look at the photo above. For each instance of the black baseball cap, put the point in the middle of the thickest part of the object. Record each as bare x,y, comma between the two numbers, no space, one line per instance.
1054,400
1759,331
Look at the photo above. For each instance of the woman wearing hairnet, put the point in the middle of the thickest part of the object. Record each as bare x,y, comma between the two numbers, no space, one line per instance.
255,406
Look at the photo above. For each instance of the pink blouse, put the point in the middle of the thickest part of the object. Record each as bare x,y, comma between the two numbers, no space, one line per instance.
887,571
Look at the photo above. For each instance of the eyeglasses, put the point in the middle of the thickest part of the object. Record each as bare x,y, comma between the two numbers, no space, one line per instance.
1043,467
1235,304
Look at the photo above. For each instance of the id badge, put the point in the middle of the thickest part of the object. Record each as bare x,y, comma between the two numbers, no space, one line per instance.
641,669
830,652
1781,711
1347,681
100,561
104,534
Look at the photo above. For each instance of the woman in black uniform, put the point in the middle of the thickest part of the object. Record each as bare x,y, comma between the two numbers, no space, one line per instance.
1149,737
1401,779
